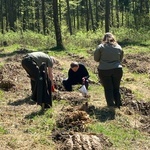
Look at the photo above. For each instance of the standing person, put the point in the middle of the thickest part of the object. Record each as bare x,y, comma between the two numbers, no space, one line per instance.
77,74
109,54
33,64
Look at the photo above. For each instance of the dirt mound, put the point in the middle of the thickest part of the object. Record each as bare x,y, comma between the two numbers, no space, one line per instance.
130,101
138,63
80,141
136,106
73,121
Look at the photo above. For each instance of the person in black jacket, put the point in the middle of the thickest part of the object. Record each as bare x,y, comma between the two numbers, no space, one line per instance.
77,74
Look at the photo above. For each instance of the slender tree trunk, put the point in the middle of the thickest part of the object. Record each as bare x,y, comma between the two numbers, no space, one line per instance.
11,15
112,13
1,17
43,17
37,15
91,12
147,3
117,14
107,15
78,26
96,13
59,10
87,15
68,17
57,25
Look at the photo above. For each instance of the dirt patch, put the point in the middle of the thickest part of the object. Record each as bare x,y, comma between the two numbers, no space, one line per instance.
77,140
72,120
136,106
138,63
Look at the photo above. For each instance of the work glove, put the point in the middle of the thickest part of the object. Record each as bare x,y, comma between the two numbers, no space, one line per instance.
53,88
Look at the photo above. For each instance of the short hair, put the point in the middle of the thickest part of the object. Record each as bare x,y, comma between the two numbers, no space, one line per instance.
74,64
53,59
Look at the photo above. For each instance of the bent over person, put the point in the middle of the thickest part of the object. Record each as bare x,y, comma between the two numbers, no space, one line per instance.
39,66
77,74
109,54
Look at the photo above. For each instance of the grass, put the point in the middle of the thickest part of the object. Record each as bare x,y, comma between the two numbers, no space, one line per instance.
121,134
119,131
2,130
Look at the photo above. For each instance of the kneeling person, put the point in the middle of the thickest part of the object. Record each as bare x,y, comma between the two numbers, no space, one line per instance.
77,74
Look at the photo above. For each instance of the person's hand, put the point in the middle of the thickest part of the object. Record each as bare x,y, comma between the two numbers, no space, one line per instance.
83,79
52,88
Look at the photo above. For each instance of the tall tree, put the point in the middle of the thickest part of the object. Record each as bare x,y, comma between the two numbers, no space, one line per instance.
57,25
68,17
91,12
1,17
43,17
117,13
87,15
107,15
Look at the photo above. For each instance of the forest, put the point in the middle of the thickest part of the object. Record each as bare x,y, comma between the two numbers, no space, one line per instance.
52,16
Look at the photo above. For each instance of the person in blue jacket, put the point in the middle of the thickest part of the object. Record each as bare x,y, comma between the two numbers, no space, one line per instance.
109,54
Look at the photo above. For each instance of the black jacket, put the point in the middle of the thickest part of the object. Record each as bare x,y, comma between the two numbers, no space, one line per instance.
76,77
42,92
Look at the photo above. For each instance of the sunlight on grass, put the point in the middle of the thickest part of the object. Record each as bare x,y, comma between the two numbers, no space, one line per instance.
1,95
135,49
119,136
2,130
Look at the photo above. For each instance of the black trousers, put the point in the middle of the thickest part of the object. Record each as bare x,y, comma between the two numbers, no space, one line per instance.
32,69
40,83
67,83
110,80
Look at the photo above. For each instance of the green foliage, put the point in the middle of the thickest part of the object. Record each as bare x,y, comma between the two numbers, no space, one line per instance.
82,40
1,95
28,38
77,42
120,137
2,130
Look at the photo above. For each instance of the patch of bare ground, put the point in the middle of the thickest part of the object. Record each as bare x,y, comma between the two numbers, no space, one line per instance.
138,63
16,109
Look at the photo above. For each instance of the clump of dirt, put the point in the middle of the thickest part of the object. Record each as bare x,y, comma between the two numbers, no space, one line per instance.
136,106
73,121
129,100
145,127
6,84
77,140
138,63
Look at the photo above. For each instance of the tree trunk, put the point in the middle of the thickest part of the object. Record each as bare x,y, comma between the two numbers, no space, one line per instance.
43,17
87,15
68,17
1,17
78,26
57,25
37,15
107,15
117,14
91,12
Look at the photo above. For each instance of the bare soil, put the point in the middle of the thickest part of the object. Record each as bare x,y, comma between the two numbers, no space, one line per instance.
16,108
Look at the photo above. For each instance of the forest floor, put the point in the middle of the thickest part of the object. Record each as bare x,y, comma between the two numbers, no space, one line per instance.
17,110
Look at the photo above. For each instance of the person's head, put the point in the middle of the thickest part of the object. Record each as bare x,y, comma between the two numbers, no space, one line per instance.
74,66
109,38
53,59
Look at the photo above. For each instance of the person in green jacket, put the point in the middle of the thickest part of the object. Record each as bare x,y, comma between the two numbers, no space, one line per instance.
109,54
